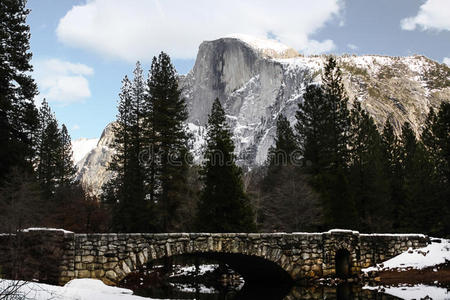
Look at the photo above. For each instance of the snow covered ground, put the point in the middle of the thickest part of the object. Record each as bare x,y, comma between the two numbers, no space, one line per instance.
77,289
438,252
419,291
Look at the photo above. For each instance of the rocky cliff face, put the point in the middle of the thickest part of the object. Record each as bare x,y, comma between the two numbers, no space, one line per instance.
258,80
93,168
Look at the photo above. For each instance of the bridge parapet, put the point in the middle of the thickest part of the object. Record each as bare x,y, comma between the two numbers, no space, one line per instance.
256,256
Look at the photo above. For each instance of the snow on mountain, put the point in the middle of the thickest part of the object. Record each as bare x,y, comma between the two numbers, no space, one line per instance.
268,47
81,147
198,140
256,80
93,167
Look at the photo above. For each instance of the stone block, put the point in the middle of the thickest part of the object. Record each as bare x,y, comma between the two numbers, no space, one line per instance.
102,259
110,265
111,275
88,259
84,274
97,273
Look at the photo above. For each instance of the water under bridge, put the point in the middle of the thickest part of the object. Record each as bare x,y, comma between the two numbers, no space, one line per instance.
258,257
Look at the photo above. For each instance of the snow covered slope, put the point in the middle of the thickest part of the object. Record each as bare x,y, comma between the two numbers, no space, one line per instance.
438,252
81,147
256,80
77,289
93,167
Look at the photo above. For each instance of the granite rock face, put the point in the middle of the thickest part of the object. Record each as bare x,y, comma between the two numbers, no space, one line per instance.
256,83
256,88
93,168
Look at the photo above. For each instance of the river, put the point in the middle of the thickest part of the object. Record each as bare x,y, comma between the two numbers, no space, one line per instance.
199,283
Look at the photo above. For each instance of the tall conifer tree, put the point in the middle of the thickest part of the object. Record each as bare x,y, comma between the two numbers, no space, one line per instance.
311,119
369,187
18,114
285,144
334,159
67,168
393,171
164,117
125,191
224,206
49,154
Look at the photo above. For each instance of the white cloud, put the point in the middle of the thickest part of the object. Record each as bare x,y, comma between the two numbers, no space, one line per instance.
62,81
433,14
352,46
315,47
139,29
75,127
446,61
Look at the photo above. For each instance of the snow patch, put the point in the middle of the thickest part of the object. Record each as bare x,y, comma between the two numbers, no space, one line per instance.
419,291
434,254
187,288
77,289
81,147
198,140
270,47
45,229
187,270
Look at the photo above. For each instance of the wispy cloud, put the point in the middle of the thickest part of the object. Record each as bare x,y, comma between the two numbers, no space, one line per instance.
62,81
432,15
75,127
352,47
139,29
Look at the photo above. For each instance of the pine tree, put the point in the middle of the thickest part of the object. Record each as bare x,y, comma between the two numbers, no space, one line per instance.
323,130
49,152
311,119
164,116
125,192
393,171
442,133
416,211
224,206
332,179
18,114
338,124
436,140
285,145
370,190
67,169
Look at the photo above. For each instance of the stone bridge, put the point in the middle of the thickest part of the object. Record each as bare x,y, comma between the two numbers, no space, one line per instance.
256,256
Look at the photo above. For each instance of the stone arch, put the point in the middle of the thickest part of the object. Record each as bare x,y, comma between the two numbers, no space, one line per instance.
257,264
343,263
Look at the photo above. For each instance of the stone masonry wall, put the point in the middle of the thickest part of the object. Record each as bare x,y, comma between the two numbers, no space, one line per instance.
110,257
33,255
376,248
61,256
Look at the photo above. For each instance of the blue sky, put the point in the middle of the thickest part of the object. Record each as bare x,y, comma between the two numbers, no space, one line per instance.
82,49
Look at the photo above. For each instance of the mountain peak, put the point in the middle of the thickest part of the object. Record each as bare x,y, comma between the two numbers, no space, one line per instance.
270,48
